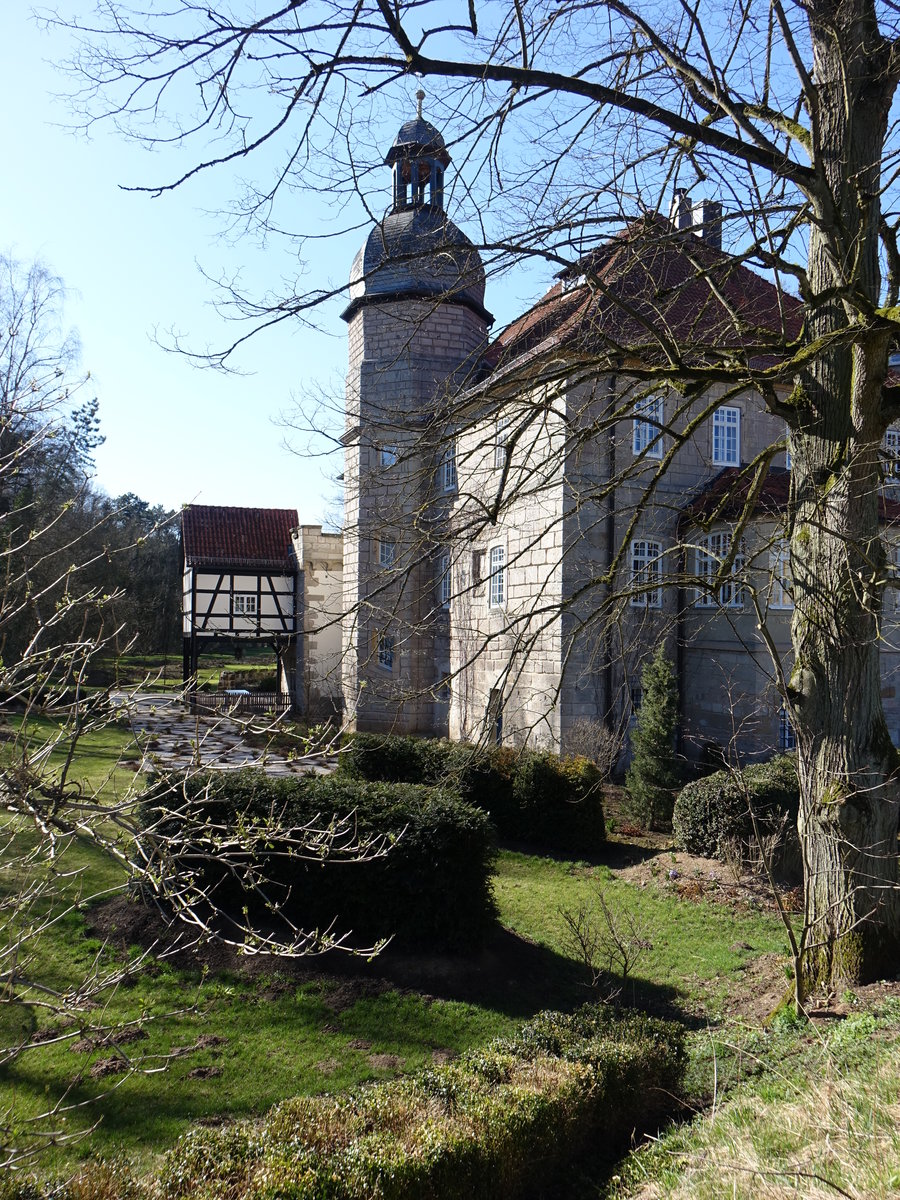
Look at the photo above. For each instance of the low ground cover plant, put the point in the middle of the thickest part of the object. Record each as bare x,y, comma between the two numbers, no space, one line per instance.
424,878
529,796
713,814
493,1124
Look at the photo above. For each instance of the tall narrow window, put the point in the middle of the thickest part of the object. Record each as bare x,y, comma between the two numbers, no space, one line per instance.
387,553
780,567
448,469
891,445
787,738
498,576
646,574
494,716
501,438
444,581
388,455
726,435
713,551
787,447
386,652
647,435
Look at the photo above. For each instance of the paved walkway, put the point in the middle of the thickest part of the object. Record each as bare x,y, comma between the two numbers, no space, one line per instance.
173,738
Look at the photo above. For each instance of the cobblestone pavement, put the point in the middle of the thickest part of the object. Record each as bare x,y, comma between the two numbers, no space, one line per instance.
175,739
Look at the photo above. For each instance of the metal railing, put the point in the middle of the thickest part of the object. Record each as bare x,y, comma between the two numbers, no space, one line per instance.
239,702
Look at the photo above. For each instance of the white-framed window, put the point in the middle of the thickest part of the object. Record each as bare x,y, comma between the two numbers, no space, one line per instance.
387,455
713,551
497,576
448,468
787,738
501,438
444,581
385,651
891,446
726,437
245,604
648,419
780,569
646,573
787,447
387,553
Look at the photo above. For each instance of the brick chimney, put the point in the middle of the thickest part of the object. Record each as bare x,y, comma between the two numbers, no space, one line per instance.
708,222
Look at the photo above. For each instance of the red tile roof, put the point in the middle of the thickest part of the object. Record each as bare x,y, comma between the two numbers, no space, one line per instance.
650,293
251,537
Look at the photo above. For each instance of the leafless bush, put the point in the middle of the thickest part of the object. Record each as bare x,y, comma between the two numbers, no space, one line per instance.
595,741
608,938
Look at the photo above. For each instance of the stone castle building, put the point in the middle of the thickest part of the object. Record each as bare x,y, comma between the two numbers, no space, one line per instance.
527,518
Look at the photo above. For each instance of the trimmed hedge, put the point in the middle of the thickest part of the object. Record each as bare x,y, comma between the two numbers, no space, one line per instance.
432,887
494,1124
529,796
714,810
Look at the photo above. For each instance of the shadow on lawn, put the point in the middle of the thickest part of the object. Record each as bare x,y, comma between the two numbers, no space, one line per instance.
508,973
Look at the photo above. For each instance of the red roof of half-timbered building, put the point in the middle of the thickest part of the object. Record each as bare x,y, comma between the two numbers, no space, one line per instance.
218,535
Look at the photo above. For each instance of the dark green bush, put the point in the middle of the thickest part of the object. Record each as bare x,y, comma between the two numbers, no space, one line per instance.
558,802
433,886
386,758
715,810
528,796
495,1124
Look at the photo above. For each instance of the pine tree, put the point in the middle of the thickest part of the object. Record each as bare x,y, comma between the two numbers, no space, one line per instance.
653,778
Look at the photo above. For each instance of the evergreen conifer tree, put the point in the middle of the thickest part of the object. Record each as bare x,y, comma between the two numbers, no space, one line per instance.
653,777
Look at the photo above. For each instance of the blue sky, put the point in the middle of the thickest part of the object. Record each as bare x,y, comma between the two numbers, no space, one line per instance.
173,433
176,433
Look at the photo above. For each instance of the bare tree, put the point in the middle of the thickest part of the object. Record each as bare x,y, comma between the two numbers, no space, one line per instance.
57,622
569,117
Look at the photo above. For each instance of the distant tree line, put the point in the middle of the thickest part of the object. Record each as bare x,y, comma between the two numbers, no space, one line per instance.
59,533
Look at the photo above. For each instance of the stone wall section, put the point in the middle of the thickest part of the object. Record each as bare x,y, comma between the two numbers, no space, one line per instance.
407,358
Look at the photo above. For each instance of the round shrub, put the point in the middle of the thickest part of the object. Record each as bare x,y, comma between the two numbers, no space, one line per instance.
715,810
232,829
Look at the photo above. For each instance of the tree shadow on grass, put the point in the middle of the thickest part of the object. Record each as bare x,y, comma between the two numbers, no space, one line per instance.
508,973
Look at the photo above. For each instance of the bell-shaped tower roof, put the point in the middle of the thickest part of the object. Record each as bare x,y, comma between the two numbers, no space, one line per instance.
416,251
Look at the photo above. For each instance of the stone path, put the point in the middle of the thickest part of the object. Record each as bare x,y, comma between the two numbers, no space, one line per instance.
175,739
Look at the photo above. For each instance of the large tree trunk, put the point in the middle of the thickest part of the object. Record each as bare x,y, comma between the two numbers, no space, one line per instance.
848,766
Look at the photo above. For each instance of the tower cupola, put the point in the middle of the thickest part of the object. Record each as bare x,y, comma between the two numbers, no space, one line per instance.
418,159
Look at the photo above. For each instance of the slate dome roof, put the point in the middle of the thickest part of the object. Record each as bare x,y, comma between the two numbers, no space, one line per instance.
417,252
422,135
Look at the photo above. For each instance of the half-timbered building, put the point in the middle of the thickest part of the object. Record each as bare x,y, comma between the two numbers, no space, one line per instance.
240,582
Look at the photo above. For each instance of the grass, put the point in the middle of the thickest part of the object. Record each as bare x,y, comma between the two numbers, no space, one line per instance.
697,950
814,1113
278,1036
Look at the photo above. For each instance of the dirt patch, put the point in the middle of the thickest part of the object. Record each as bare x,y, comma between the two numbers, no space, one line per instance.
121,1037
208,1041
386,1062
114,1065
327,1066
440,1058
693,878
205,1073
359,1044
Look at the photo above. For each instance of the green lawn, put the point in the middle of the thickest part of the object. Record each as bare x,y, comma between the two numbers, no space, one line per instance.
277,1037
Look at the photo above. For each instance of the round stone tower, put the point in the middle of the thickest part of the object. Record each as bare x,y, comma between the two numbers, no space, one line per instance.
417,333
